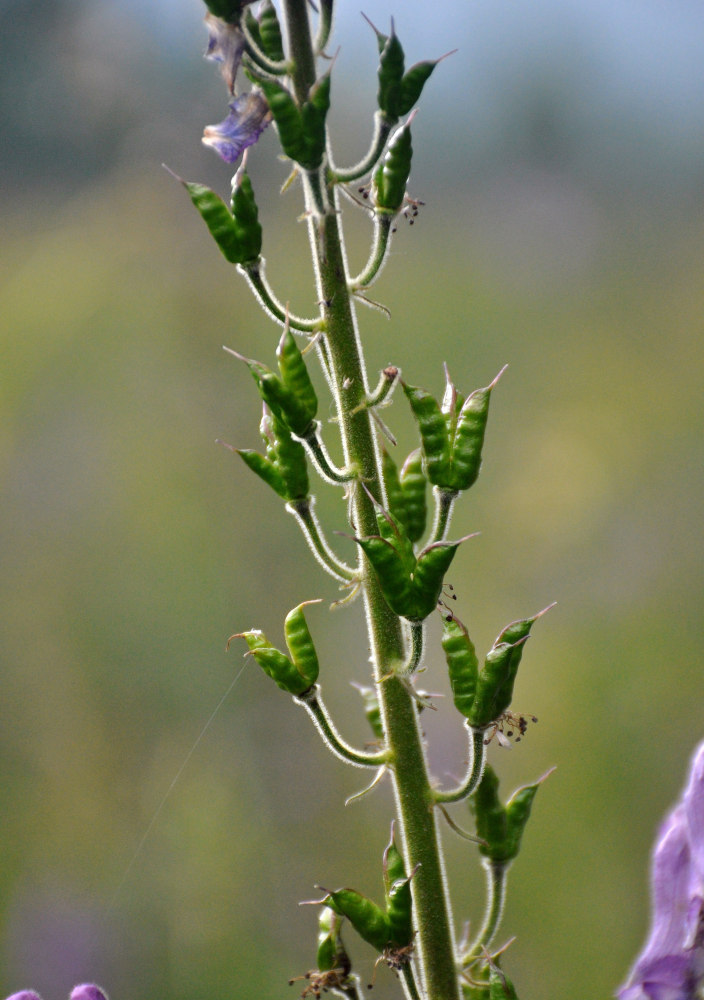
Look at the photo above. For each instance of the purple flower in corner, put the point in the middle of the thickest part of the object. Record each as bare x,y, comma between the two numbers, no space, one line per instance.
249,116
88,991
225,46
671,965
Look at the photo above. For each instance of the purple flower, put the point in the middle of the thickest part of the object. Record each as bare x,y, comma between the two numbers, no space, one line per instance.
225,45
249,116
671,965
88,991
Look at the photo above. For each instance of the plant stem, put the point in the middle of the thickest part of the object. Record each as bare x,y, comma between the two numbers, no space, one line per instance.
475,768
382,230
444,502
496,875
313,703
417,820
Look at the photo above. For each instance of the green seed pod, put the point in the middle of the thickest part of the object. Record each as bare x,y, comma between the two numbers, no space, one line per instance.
266,470
496,680
413,484
433,431
291,411
494,684
291,460
392,531
411,590
390,75
332,954
475,990
368,919
270,32
391,572
328,930
295,675
462,664
501,986
274,663
284,468
251,23
219,220
489,814
287,117
246,218
372,710
469,436
313,115
433,562
391,176
300,645
500,827
412,84
394,493
295,375
397,890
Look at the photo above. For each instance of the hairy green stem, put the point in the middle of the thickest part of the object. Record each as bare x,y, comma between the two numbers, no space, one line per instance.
409,982
254,273
313,703
320,458
303,511
496,877
382,128
387,383
380,248
475,768
417,819
417,630
444,502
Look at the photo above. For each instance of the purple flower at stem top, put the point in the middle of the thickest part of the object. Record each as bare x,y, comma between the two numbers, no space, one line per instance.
249,116
671,965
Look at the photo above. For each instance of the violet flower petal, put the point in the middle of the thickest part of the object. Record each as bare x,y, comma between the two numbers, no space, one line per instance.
88,991
694,811
249,116
671,964
25,995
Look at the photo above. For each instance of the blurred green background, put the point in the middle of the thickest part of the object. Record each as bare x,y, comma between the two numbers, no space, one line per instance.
561,156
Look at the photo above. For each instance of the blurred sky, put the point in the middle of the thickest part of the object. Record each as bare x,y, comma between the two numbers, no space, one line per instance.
560,153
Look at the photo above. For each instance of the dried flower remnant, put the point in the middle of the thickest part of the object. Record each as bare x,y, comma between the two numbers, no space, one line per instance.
671,965
249,116
225,46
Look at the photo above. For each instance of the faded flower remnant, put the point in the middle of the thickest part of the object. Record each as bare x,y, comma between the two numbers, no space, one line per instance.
225,46
671,965
249,116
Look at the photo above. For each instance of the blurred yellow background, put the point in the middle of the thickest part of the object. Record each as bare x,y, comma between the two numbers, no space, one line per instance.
560,154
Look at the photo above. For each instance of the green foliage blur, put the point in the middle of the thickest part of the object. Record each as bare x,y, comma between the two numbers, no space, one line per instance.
164,859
